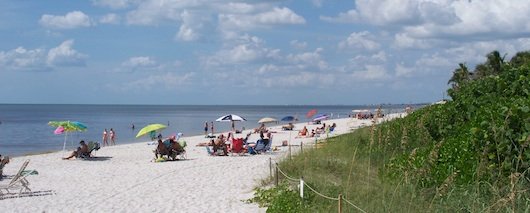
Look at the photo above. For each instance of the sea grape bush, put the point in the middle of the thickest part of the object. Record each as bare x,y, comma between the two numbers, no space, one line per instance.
482,134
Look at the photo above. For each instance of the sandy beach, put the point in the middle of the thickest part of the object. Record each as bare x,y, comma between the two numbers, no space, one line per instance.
124,178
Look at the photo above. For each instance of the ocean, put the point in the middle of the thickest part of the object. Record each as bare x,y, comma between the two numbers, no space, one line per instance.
24,127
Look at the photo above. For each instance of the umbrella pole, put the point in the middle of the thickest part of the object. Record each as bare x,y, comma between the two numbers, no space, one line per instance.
64,143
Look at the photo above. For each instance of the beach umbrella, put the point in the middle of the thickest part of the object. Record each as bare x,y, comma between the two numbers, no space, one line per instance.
59,130
288,118
320,117
267,120
67,126
230,117
311,113
150,128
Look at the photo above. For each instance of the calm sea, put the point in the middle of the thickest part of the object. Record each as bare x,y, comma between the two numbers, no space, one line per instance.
24,129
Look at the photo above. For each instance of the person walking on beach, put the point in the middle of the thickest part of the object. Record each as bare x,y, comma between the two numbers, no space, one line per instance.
206,128
112,136
105,138
211,126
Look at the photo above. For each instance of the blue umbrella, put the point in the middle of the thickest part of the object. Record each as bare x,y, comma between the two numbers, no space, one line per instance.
288,118
320,117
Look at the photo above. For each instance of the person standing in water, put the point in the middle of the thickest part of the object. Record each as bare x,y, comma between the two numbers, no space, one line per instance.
211,126
105,138
112,136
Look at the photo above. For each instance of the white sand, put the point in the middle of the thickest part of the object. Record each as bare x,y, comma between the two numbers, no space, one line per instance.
124,179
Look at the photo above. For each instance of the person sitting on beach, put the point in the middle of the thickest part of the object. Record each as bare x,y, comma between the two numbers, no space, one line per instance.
219,144
3,162
322,129
303,132
82,149
289,126
261,128
312,133
332,127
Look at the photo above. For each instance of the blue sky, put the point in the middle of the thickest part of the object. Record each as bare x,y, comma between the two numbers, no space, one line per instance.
244,52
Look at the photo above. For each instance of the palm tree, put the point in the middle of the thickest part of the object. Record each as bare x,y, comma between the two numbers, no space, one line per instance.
460,76
521,58
495,62
492,66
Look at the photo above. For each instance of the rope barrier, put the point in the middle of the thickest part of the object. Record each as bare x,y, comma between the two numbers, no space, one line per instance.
315,191
348,202
318,193
287,176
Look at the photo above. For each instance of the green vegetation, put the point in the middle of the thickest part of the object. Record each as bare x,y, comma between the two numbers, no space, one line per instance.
469,154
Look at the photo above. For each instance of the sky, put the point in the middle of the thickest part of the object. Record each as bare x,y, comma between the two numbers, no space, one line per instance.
276,52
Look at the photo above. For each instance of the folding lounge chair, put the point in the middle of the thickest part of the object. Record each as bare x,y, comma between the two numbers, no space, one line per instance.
237,146
92,146
263,146
18,182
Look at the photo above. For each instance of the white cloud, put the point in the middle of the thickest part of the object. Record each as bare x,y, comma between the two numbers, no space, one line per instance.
363,59
308,60
370,73
360,41
188,31
110,18
153,12
442,19
22,59
71,20
40,59
243,50
404,41
65,55
140,62
403,71
114,4
250,21
298,44
380,12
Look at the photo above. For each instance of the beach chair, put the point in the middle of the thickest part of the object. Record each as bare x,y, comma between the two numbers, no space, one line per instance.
263,146
92,146
19,181
237,146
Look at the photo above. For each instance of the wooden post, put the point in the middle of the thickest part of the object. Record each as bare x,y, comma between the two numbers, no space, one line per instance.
276,181
340,203
270,167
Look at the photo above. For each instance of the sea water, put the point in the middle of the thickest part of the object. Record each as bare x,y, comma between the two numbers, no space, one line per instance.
24,127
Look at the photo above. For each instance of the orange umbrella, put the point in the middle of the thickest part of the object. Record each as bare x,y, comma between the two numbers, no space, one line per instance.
311,113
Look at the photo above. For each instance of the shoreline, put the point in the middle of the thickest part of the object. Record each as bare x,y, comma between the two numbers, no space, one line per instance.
124,177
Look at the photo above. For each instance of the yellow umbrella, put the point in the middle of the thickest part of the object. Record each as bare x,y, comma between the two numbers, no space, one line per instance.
150,128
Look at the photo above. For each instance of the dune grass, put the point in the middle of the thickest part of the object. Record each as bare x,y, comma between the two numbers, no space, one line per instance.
352,166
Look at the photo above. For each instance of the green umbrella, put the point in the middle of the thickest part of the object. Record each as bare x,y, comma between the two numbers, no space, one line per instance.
68,126
150,128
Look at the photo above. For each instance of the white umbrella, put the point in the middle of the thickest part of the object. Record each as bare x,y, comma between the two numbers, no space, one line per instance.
230,117
267,120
